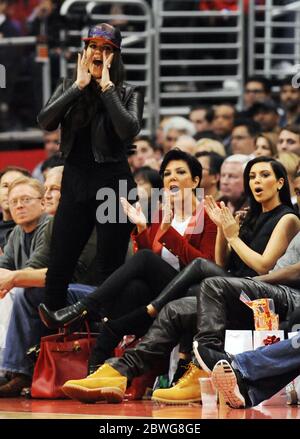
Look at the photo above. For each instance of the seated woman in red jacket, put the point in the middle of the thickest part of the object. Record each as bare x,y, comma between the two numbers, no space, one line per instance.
183,231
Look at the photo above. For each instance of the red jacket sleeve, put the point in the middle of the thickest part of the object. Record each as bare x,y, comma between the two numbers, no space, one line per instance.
141,240
201,245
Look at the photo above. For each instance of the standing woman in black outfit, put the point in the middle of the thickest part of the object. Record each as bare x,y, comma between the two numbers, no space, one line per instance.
99,115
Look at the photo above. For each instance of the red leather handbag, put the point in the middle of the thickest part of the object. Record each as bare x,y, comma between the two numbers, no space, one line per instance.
62,357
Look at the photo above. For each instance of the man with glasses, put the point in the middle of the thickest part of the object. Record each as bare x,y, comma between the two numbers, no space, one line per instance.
243,136
7,176
27,207
257,89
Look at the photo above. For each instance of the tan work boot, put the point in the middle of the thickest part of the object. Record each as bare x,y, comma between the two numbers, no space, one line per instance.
106,384
186,390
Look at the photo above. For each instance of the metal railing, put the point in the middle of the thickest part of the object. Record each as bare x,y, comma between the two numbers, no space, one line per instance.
198,55
274,37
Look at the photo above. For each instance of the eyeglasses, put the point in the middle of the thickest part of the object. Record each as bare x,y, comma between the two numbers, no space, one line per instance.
24,201
106,48
254,90
239,137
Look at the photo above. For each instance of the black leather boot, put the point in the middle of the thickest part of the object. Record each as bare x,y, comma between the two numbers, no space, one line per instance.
63,317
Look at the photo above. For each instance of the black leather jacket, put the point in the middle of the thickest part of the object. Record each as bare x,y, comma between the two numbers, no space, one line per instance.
113,126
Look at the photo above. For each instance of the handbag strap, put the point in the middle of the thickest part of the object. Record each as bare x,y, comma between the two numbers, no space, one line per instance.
65,331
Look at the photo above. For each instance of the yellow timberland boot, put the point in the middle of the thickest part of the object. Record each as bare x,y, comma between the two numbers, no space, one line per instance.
186,390
106,384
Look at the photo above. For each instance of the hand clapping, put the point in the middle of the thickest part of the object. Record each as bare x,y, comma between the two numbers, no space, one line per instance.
135,214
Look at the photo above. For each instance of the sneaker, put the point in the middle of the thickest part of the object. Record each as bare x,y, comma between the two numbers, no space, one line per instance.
106,384
208,358
228,382
185,391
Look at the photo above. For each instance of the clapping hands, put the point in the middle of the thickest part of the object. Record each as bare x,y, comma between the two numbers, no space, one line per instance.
222,217
134,213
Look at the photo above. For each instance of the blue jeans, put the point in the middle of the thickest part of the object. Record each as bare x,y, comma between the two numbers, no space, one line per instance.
26,329
269,368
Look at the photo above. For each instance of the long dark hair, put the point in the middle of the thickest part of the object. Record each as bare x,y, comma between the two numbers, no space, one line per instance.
284,193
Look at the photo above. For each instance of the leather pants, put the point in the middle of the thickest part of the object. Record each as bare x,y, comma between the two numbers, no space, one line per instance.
176,318
219,307
192,274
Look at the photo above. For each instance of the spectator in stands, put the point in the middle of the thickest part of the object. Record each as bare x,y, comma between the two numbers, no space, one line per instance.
202,117
105,116
25,328
257,89
266,114
264,146
143,154
51,147
220,304
209,145
291,162
243,136
53,162
290,103
173,246
289,139
19,12
173,129
211,166
296,183
146,180
185,143
7,176
223,122
231,181
27,207
10,59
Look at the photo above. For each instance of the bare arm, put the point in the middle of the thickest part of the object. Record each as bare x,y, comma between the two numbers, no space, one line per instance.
289,276
283,233
21,278
222,249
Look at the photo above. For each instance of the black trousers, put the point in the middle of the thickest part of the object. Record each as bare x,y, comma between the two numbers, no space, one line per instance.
216,308
118,293
75,220
220,308
175,319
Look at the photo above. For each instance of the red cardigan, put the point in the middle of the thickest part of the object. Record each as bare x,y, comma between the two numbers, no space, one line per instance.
197,242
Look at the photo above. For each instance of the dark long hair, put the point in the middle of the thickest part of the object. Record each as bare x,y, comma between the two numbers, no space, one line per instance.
255,207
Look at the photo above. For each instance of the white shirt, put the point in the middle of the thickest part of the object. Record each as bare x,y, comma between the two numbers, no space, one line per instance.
180,227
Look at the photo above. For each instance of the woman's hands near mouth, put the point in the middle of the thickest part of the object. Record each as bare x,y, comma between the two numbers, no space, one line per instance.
83,75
